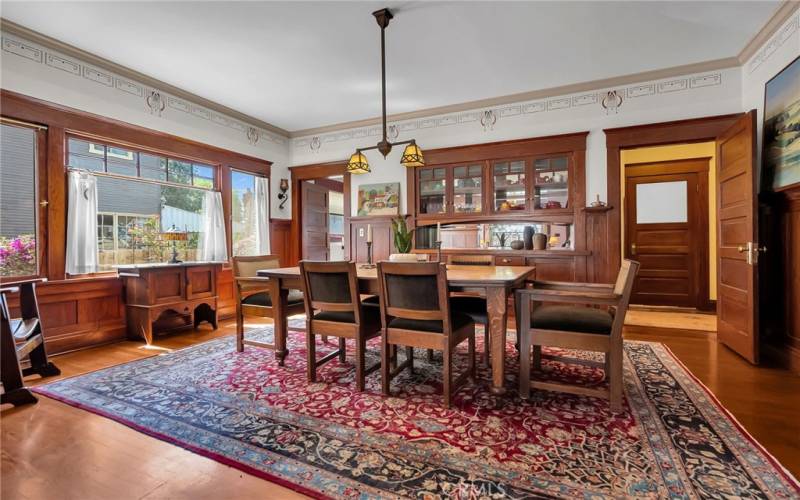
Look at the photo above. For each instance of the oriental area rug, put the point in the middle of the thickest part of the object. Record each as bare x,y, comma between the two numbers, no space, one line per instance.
326,440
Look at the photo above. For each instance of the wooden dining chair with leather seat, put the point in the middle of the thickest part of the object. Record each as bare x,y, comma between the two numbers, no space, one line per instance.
334,309
576,326
22,338
471,304
415,312
253,296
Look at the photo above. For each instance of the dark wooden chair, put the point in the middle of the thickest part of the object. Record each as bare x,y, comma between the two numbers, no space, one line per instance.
21,338
576,327
415,312
334,308
473,304
253,298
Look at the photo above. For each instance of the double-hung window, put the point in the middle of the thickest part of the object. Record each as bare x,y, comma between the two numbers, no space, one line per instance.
141,196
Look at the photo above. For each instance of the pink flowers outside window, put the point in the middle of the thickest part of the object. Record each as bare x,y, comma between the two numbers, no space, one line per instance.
18,255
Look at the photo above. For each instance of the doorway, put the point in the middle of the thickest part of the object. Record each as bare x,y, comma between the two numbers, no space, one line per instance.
322,234
668,197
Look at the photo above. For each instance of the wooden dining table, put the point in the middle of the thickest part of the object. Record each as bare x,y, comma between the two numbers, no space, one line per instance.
496,283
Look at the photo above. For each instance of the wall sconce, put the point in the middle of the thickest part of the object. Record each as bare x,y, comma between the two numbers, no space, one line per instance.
283,186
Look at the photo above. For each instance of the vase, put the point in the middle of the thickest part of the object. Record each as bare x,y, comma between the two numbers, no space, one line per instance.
527,237
539,241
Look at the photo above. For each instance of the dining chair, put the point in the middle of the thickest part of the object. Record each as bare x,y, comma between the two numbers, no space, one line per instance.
576,327
415,312
334,308
473,304
253,295
22,338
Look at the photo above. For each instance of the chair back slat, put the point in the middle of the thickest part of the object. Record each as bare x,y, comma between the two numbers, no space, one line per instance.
414,290
330,286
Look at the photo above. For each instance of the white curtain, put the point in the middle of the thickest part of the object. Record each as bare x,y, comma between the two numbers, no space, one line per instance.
212,234
82,223
262,215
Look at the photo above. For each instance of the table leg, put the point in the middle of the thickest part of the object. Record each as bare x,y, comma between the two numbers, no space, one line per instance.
496,303
279,297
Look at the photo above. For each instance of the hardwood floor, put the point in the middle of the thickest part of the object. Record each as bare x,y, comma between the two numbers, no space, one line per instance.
51,449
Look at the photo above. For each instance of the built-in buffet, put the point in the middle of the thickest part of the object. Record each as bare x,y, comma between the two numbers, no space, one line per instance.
522,201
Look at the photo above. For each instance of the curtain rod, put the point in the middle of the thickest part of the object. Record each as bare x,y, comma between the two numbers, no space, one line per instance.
137,179
12,121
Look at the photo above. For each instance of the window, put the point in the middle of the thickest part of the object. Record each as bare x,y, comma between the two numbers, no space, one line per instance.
145,196
18,201
243,213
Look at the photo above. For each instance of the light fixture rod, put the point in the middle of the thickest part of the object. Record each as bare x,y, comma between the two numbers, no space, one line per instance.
383,79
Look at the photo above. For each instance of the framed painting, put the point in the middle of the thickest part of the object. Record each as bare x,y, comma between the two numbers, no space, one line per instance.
781,145
379,199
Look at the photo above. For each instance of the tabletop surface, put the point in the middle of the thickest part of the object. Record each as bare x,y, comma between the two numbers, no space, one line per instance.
455,273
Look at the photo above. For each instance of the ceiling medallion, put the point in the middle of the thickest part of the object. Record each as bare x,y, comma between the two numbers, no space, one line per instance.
412,155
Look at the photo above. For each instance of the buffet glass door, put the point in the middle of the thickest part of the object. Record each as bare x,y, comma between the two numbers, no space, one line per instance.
509,186
432,190
467,189
551,178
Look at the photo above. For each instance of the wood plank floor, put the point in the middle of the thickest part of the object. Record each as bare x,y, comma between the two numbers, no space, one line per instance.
51,450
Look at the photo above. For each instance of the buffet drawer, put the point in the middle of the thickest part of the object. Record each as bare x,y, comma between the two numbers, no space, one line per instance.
507,260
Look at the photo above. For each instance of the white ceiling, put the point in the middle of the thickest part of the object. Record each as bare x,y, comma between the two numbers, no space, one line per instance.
299,65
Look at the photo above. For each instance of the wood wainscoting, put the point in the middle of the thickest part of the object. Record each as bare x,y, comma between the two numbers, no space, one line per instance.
382,241
779,280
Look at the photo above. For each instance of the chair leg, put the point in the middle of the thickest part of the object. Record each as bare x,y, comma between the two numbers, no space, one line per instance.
393,356
361,347
607,366
525,364
410,358
311,355
40,364
430,355
471,344
18,397
448,376
537,358
240,328
385,368
486,345
342,350
615,378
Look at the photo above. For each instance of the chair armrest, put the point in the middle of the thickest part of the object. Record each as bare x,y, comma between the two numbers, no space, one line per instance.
570,296
253,283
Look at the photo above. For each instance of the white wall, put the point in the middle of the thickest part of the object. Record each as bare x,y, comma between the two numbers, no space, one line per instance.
692,96
776,53
36,71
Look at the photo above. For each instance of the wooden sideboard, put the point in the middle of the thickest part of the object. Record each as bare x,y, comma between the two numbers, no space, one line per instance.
188,289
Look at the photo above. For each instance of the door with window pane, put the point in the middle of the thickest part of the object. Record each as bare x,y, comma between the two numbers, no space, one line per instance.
20,217
666,231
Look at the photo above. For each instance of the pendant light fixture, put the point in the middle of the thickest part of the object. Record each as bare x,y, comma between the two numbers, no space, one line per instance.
412,155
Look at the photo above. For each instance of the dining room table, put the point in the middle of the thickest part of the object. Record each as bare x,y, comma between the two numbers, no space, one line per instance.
496,283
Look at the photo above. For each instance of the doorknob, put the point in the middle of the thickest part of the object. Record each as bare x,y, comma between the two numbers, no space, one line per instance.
633,248
752,251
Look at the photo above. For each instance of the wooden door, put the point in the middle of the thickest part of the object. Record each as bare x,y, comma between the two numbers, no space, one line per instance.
314,231
666,230
737,243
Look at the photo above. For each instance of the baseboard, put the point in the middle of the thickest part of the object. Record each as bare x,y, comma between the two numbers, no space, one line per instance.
668,332
786,356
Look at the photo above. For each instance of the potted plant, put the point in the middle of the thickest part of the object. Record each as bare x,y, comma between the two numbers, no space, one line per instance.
402,241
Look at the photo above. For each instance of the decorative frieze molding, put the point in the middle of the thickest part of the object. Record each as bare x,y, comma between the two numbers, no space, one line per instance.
155,101
488,118
786,32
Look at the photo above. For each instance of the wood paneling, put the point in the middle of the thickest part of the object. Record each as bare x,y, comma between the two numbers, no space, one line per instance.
280,239
555,269
382,243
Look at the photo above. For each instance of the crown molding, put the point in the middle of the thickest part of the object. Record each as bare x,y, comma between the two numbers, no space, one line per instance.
781,15
617,81
69,50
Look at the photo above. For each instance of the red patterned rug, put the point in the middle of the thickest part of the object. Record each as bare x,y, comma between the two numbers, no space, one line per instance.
327,440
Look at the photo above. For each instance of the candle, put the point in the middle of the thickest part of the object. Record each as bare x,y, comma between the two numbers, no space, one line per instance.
438,231
369,233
